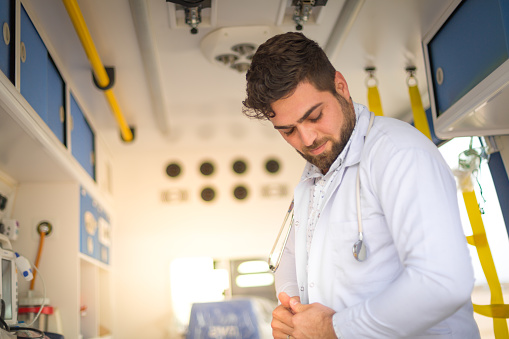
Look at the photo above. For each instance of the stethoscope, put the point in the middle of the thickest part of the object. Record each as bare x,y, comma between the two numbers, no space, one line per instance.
359,247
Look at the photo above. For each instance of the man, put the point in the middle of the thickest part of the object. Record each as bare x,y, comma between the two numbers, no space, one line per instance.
417,277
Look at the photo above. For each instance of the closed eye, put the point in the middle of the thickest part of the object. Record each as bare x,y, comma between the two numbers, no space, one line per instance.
317,118
289,132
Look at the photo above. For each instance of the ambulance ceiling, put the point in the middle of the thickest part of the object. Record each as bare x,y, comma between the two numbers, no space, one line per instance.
171,87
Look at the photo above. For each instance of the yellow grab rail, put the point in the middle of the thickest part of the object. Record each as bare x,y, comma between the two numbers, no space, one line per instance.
97,66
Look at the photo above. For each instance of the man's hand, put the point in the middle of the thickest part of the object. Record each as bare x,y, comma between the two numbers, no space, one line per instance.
312,321
282,317
301,321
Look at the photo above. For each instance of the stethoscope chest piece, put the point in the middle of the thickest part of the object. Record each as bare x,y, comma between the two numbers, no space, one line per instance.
359,249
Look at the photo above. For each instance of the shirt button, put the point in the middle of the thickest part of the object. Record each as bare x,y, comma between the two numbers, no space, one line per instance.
296,224
312,285
302,288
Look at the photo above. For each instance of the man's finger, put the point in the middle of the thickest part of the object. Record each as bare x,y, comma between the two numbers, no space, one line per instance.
283,315
296,306
279,329
284,299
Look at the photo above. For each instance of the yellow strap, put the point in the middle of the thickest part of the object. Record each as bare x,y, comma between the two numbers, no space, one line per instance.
497,309
420,120
482,246
374,103
500,311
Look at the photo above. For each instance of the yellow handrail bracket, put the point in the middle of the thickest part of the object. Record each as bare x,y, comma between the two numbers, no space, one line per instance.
97,66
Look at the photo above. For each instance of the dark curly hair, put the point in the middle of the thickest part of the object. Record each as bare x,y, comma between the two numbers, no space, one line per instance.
278,66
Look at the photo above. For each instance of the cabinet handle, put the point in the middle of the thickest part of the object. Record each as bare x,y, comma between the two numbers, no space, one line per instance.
7,33
92,158
62,114
440,75
23,52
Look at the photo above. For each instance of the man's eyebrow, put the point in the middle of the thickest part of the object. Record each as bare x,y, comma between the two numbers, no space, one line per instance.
304,117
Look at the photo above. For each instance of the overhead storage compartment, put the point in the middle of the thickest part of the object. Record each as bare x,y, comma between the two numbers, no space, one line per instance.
7,42
467,61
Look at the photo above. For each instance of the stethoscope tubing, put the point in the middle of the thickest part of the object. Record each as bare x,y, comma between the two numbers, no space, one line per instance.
271,267
359,247
358,184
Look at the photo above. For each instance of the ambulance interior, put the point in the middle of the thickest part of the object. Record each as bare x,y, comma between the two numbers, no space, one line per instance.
145,202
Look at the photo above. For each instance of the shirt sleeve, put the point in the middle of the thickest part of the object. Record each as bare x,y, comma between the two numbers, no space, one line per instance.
286,276
417,193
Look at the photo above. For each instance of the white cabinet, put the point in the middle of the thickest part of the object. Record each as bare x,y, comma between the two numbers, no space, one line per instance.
73,280
50,185
95,310
77,285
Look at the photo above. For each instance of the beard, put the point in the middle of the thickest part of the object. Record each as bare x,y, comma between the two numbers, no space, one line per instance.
325,159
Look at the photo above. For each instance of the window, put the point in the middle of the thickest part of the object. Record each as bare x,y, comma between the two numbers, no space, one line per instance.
494,226
195,280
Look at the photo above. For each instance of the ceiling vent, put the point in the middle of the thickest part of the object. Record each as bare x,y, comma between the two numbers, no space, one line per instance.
233,47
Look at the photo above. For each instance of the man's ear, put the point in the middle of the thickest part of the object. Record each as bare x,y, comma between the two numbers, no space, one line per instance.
341,85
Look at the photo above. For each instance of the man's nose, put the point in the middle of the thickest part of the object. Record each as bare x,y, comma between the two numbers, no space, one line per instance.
307,135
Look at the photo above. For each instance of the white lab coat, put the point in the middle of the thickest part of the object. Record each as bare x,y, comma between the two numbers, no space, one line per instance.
418,276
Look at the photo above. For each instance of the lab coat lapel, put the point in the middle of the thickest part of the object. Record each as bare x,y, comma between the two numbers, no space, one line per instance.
302,192
351,160
354,152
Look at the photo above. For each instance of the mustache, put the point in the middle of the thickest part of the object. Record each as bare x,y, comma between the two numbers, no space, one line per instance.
315,144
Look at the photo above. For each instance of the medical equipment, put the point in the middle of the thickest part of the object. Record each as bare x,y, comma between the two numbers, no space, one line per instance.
9,282
359,247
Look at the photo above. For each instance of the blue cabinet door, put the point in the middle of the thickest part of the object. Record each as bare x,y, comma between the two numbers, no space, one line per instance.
470,45
82,139
56,102
7,42
33,66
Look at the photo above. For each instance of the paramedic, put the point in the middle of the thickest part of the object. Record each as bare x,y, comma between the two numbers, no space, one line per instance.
417,277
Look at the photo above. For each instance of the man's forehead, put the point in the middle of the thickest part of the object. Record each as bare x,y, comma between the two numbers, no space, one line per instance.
290,124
